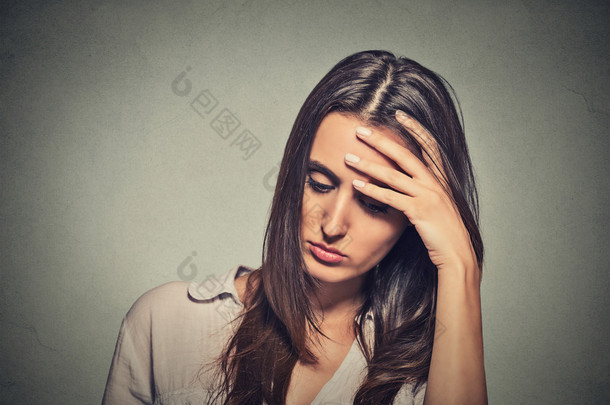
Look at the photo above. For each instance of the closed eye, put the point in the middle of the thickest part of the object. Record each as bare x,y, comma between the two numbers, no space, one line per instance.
369,207
318,187
373,209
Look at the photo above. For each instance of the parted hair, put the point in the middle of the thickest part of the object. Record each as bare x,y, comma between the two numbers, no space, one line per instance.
399,293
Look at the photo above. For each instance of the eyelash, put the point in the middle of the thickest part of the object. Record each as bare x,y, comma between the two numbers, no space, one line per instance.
317,186
321,188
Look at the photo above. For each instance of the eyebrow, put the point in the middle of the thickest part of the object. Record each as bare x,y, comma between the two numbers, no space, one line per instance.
315,166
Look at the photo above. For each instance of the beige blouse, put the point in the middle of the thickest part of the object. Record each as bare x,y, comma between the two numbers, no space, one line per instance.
173,330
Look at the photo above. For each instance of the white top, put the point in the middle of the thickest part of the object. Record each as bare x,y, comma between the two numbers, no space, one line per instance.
173,330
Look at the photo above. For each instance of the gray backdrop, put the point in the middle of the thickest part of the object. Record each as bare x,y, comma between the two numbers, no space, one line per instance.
115,180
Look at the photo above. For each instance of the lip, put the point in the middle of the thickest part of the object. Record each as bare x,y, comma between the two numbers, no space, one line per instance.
326,253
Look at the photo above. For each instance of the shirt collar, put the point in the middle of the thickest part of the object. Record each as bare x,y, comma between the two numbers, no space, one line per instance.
214,286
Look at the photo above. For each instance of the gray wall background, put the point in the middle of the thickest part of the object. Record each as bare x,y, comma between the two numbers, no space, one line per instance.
111,180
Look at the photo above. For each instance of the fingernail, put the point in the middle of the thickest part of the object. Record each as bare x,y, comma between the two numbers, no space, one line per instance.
358,183
401,115
352,158
363,131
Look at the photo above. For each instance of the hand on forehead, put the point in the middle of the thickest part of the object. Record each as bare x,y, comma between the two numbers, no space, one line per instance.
336,136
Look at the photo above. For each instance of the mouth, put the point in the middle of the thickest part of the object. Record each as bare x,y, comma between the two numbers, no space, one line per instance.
325,253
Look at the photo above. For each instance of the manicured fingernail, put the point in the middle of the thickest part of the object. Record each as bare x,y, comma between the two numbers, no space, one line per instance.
358,183
401,115
363,131
352,158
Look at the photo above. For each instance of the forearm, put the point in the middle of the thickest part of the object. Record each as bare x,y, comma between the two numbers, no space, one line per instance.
457,373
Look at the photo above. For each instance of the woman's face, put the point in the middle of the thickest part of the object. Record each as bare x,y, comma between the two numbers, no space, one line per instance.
344,233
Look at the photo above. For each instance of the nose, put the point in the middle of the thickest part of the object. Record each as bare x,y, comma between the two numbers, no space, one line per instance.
335,221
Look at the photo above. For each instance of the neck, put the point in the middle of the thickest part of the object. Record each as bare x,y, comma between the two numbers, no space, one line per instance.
338,301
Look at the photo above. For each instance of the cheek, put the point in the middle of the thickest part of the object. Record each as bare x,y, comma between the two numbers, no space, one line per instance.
383,237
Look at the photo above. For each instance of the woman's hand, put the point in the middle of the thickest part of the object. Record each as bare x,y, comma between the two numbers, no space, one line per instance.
457,371
419,192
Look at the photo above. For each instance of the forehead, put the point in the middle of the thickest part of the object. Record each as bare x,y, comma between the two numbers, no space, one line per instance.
336,136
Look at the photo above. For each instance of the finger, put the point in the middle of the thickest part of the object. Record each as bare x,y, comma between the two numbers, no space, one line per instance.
403,157
426,141
389,176
398,201
383,195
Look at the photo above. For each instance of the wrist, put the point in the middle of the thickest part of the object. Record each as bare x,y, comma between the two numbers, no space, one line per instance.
466,270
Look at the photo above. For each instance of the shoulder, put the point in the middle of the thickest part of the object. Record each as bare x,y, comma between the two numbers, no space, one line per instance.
158,303
216,298
173,292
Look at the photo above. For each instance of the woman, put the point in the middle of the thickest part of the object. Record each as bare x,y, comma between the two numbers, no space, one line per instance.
369,288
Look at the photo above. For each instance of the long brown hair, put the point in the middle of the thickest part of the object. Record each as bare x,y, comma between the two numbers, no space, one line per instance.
399,293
